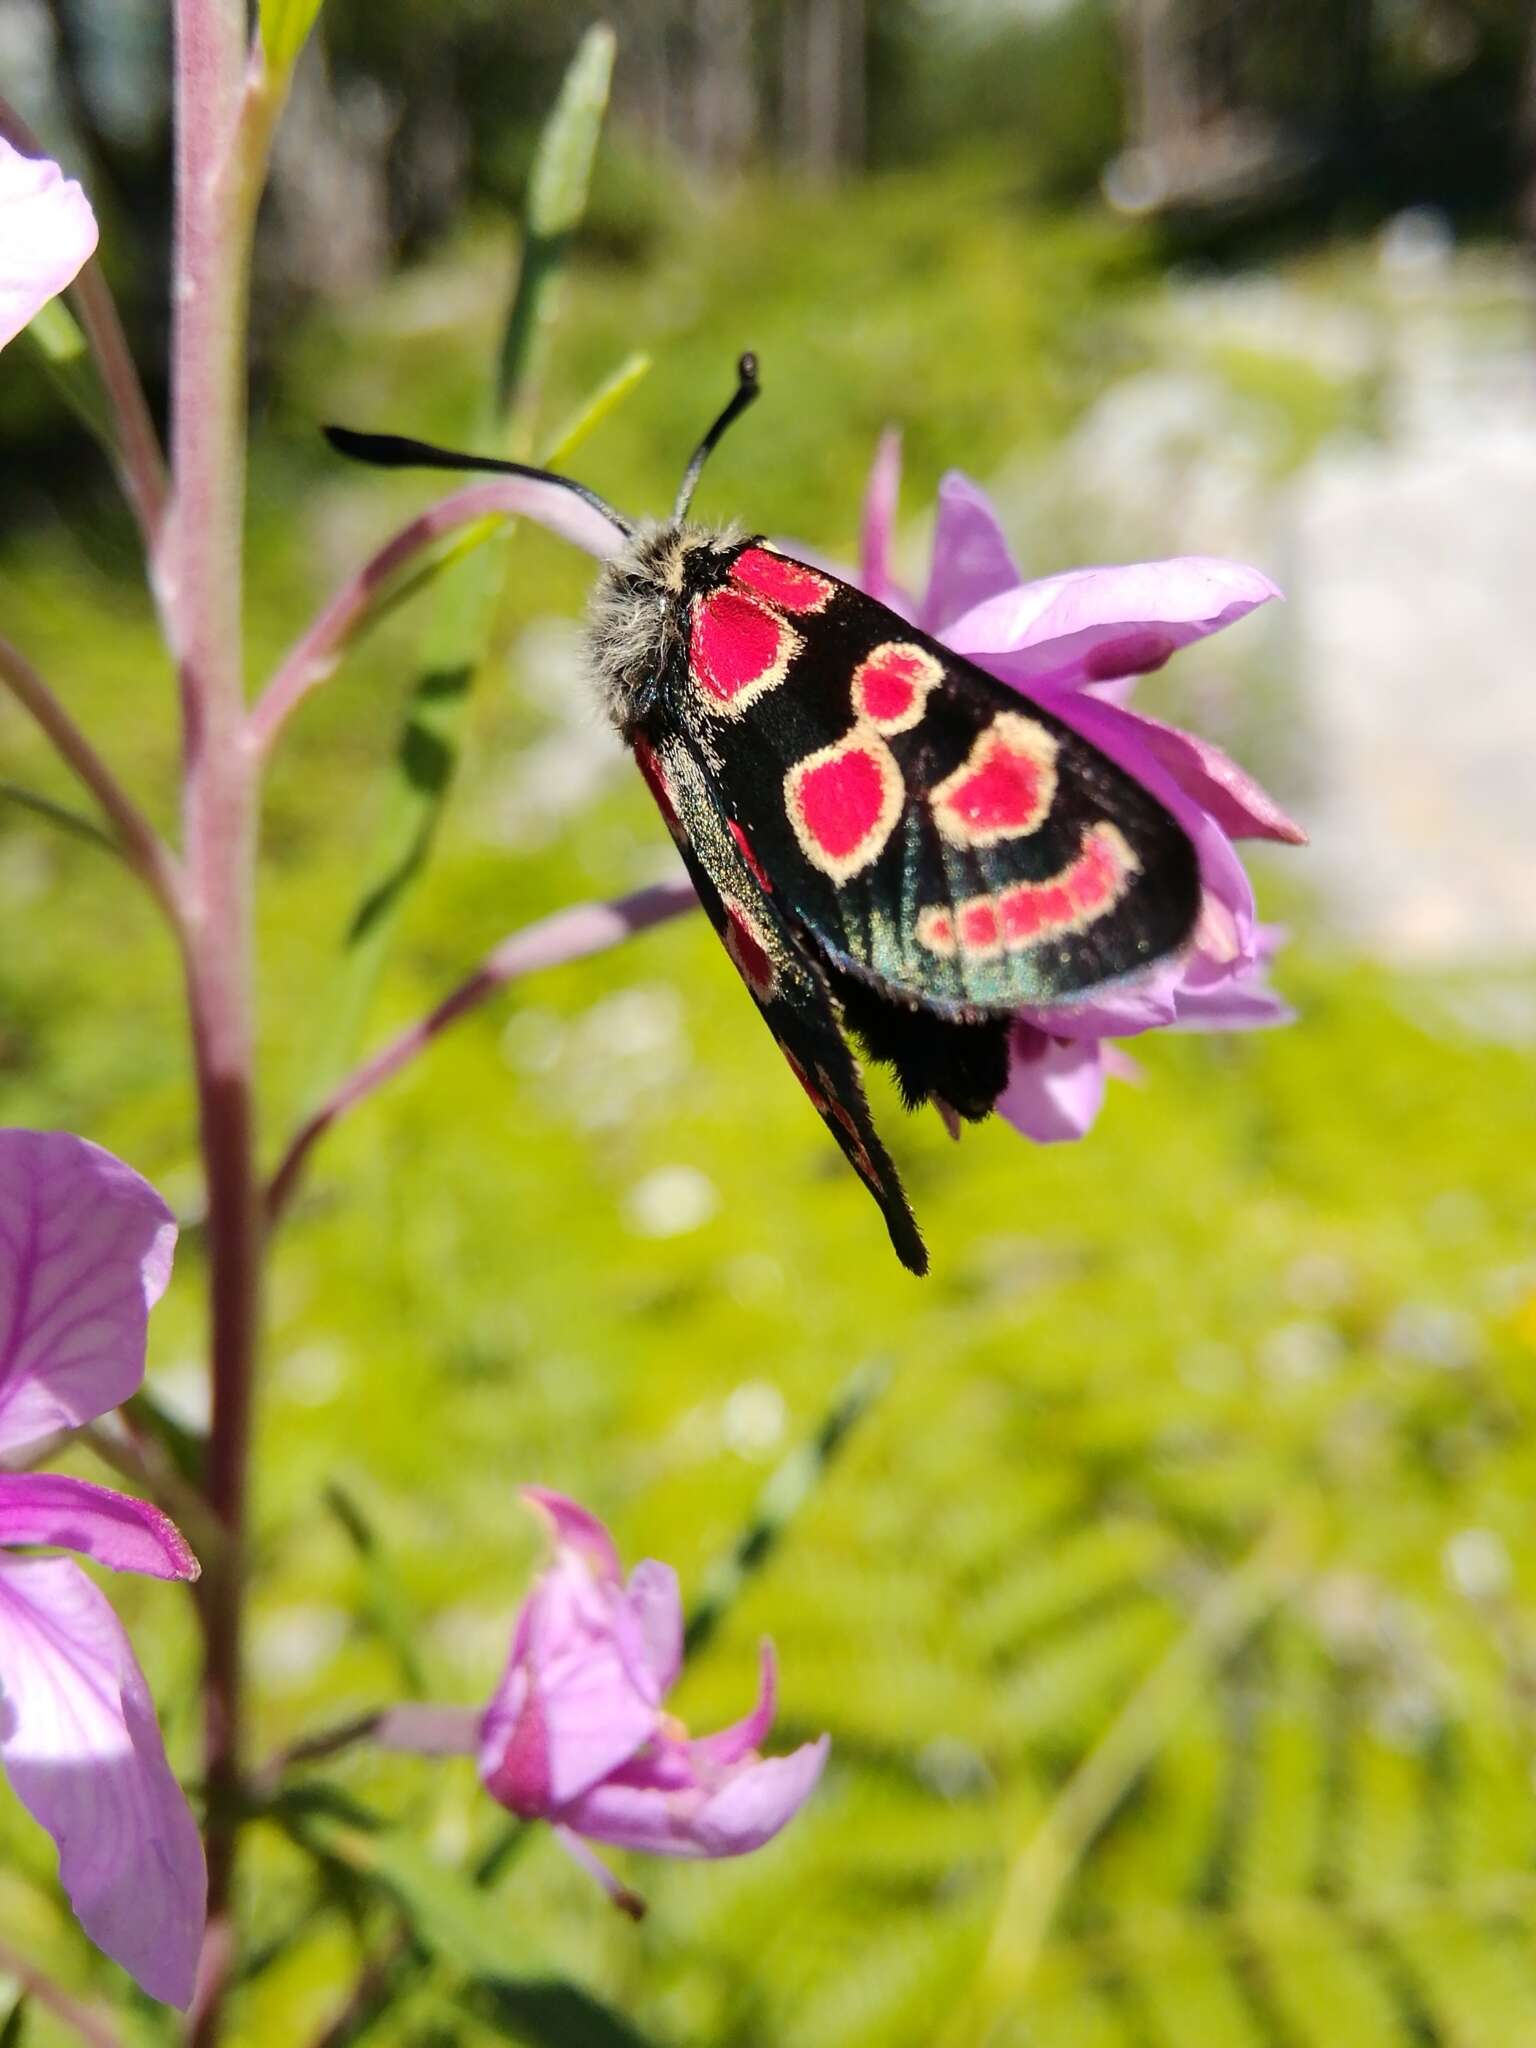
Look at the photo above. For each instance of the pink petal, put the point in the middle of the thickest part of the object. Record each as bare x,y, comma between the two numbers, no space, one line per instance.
1216,997
1054,1091
126,1534
1090,625
1213,779
971,561
47,231
657,1608
758,1799
734,1811
578,1697
880,499
85,1253
730,1745
79,1739
1124,1010
575,1528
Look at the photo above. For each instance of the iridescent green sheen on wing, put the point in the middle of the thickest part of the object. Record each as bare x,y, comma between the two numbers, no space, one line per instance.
1102,883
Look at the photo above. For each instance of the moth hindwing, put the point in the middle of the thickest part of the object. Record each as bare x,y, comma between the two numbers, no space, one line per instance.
927,849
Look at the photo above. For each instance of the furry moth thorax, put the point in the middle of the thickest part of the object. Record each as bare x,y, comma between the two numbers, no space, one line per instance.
637,616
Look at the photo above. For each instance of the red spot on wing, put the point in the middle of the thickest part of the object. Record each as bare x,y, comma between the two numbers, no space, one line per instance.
754,865
1005,787
656,782
784,583
936,931
1025,913
745,942
818,1100
843,803
891,685
1092,883
980,931
736,649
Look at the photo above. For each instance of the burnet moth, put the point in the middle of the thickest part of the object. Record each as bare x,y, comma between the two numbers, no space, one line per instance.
888,841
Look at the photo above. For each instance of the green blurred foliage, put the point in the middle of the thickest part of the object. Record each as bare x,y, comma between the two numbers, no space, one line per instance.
597,1239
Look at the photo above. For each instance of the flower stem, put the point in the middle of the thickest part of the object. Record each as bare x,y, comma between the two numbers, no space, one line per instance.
87,2021
140,844
359,600
224,116
567,935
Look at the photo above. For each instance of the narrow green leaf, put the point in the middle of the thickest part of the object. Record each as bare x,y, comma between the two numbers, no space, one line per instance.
60,346
57,334
562,163
462,631
608,396
387,1609
788,1489
185,1447
66,819
14,2031
548,2014
557,198
285,27
467,1928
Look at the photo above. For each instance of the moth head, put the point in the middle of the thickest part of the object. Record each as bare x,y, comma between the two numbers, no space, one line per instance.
637,619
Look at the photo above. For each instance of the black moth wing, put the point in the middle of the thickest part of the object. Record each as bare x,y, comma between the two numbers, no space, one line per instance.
1006,861
784,979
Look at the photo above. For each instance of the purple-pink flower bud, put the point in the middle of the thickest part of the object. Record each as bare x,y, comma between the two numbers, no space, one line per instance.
575,1733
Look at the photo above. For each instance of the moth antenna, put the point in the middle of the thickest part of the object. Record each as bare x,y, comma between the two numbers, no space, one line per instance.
395,451
747,388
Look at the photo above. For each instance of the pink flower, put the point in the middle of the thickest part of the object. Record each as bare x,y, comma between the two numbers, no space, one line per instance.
575,1733
85,1252
1074,644
47,231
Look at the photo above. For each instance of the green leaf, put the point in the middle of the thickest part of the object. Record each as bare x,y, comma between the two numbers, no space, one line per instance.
463,627
387,1609
185,1447
787,1491
68,821
463,1926
557,199
14,2031
550,2014
55,335
285,27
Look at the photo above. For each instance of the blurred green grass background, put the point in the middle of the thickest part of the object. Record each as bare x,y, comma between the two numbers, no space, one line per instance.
596,1239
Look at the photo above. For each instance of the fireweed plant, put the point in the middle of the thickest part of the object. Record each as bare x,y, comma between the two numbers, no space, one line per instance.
575,1734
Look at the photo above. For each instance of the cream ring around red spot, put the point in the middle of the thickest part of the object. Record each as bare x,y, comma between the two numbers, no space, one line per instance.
891,685
737,649
1025,913
1003,789
843,802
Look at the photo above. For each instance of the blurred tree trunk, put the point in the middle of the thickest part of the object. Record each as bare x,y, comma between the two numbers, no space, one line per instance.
823,69
1159,104
724,84
1525,194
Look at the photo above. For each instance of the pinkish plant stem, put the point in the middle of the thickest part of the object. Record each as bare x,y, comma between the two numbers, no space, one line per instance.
92,2025
567,935
140,844
313,657
224,115
141,465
